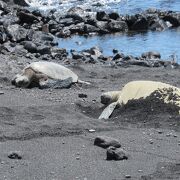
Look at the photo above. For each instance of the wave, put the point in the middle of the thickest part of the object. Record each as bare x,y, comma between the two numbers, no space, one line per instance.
66,4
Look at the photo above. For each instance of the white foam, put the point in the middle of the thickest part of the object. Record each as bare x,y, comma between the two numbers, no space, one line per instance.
66,4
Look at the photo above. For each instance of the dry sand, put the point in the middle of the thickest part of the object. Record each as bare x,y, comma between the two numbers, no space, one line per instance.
50,128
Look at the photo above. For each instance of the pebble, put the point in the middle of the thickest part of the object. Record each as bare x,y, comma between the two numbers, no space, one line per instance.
116,154
140,170
128,176
1,92
81,95
92,130
77,158
15,155
160,132
151,141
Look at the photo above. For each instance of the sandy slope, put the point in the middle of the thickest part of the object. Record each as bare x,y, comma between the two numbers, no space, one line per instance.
50,129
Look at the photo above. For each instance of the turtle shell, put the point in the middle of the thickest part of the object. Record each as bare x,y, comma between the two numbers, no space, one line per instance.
53,70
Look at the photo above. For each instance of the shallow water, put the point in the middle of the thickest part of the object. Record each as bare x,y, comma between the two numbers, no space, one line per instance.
166,42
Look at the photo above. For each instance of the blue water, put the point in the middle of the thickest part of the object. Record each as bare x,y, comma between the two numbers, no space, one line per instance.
166,42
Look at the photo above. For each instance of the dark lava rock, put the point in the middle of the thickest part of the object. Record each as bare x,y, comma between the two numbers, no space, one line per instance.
90,28
15,155
140,24
116,154
43,49
159,25
151,55
56,84
114,15
173,19
82,95
102,16
77,28
16,33
58,52
30,46
8,19
26,17
39,37
118,56
76,55
105,142
94,51
66,21
77,13
65,32
20,2
115,51
117,26
102,25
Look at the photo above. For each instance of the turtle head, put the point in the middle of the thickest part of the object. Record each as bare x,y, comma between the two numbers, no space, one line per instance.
21,81
109,97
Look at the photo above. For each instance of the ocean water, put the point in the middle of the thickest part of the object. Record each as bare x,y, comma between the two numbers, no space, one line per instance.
166,42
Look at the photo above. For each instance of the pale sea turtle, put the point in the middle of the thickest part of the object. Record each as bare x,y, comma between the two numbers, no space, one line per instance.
139,89
40,73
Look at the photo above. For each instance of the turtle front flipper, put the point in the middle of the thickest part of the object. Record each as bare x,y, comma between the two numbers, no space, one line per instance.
108,111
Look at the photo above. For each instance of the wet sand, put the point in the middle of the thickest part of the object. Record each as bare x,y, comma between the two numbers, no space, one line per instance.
50,128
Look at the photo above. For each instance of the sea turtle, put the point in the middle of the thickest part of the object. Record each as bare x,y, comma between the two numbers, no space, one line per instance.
40,73
135,90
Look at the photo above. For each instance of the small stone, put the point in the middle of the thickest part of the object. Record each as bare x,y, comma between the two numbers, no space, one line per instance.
92,130
115,51
105,142
77,158
82,95
1,92
175,135
151,141
15,155
116,154
2,162
140,170
160,132
128,176
168,135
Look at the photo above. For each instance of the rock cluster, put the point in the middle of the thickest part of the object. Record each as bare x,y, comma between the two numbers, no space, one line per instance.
33,34
148,59
114,150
